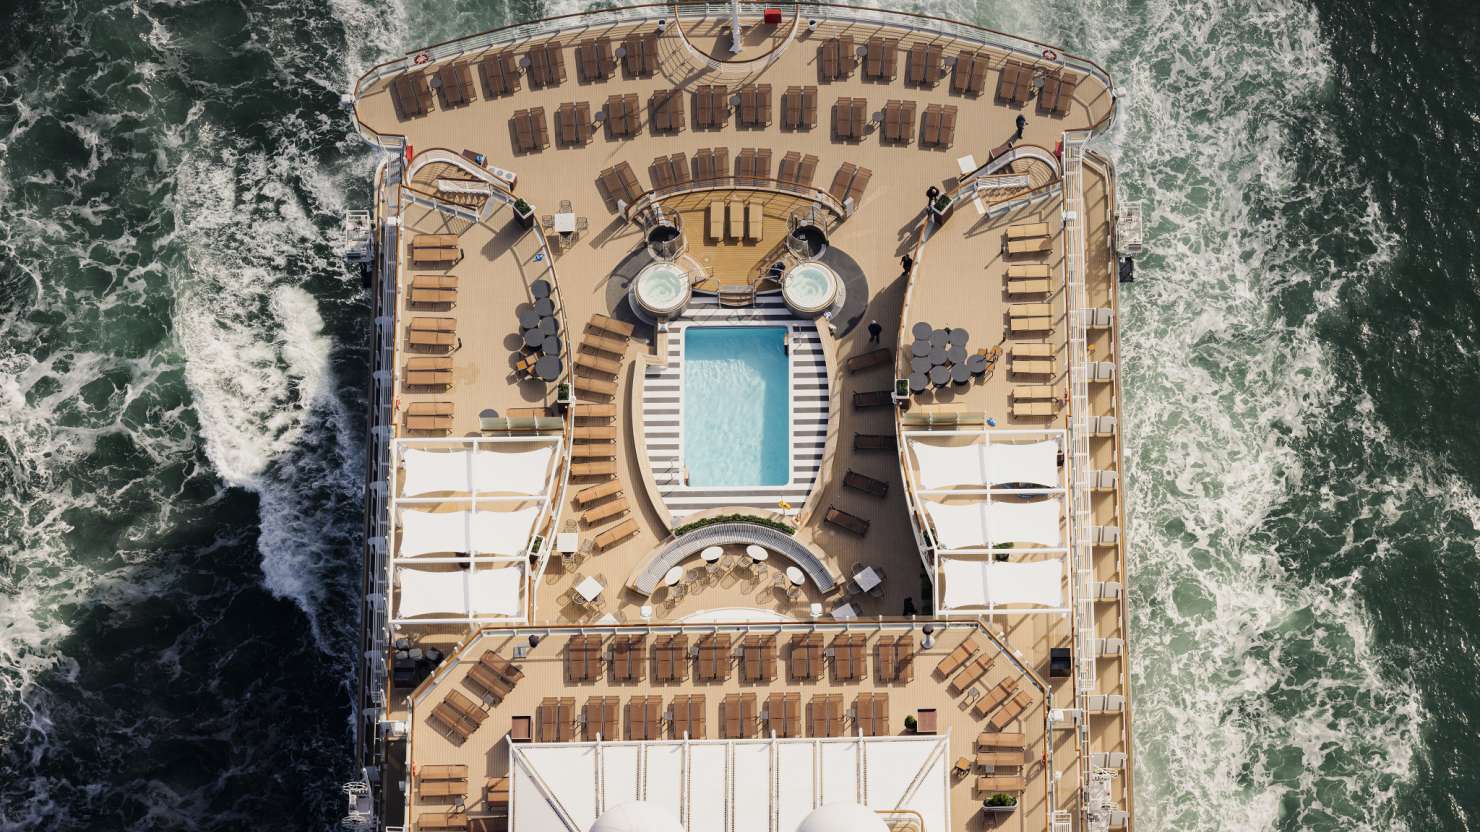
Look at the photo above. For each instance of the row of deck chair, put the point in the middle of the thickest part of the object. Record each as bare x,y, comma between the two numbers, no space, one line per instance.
735,220
435,249
849,183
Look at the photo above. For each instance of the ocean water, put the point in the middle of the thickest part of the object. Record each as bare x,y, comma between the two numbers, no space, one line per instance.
182,359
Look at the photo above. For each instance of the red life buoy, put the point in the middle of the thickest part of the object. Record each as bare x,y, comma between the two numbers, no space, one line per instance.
422,57
1050,55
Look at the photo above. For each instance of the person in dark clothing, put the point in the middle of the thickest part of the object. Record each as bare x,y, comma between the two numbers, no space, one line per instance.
873,332
907,262
1022,122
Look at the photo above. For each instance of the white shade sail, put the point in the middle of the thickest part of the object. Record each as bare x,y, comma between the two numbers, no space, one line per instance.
489,470
966,524
458,532
985,583
460,592
985,463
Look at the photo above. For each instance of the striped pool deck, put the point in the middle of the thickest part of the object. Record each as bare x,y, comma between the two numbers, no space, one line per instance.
662,406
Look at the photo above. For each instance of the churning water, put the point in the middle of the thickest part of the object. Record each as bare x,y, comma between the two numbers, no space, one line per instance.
182,360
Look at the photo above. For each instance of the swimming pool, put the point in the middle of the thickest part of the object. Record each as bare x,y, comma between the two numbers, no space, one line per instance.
736,406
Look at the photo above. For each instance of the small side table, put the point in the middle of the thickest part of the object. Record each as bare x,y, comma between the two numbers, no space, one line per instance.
521,729
925,721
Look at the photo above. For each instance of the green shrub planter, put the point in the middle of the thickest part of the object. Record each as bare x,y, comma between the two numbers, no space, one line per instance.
734,518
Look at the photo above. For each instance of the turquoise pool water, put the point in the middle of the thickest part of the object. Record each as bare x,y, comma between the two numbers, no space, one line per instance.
736,406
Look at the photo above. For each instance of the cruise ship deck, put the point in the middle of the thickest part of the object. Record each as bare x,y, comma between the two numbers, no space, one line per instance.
547,564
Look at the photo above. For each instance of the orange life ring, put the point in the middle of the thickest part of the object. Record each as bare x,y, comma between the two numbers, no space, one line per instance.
422,57
1050,55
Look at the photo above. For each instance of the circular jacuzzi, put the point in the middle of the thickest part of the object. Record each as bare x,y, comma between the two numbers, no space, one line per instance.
661,289
810,288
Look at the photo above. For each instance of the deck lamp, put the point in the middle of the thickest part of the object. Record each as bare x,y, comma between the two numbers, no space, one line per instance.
929,640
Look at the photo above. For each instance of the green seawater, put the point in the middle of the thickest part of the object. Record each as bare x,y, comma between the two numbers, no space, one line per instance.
182,376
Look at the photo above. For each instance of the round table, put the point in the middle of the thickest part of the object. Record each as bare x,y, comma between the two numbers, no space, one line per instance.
550,346
920,348
757,553
550,325
958,337
533,337
548,368
528,318
956,354
712,554
922,331
673,576
795,575
540,289
940,375
921,364
939,339
544,307
960,374
977,364
918,382
938,357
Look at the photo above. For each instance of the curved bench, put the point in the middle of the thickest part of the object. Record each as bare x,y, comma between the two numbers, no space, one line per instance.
647,577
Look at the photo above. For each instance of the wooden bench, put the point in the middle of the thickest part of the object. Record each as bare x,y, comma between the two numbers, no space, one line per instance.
590,495
847,522
612,325
611,508
616,534
865,484
870,359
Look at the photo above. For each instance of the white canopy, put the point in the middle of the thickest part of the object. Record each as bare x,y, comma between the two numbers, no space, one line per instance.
637,816
965,524
489,470
843,817
986,463
483,532
482,591
985,583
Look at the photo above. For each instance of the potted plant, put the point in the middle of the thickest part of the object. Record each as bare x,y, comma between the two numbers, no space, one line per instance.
940,208
1000,802
909,724
563,394
901,390
524,213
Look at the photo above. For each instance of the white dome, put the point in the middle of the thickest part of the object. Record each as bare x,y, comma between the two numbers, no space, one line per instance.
842,817
637,816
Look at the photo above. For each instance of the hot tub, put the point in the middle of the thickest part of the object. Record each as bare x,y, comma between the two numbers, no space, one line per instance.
810,288
661,289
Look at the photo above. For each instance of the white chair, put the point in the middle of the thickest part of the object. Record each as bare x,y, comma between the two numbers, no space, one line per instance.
1104,426
1111,646
1107,590
1107,535
1094,702
1115,703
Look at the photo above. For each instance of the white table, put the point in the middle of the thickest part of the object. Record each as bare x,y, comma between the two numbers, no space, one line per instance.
673,576
712,554
567,542
590,589
967,164
867,579
795,575
757,553
565,223
845,612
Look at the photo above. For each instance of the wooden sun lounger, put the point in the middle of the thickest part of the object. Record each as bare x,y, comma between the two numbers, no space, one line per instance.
641,58
841,180
601,365
787,173
999,759
441,820
448,771
432,297
1027,286
433,324
754,222
1029,310
1001,783
1033,392
971,673
994,697
598,450
807,171
1011,711
1002,739
1020,270
605,468
586,496
734,222
429,378
612,325
881,60
500,75
434,281
427,338
411,95
865,484
846,521
429,416
611,508
429,362
1028,231
595,433
873,398
616,534
873,442
716,226
860,182
595,411
435,256
597,342
1057,94
957,657
872,358
1013,248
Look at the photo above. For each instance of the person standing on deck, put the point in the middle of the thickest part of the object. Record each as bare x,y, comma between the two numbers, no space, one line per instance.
874,329
1022,122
